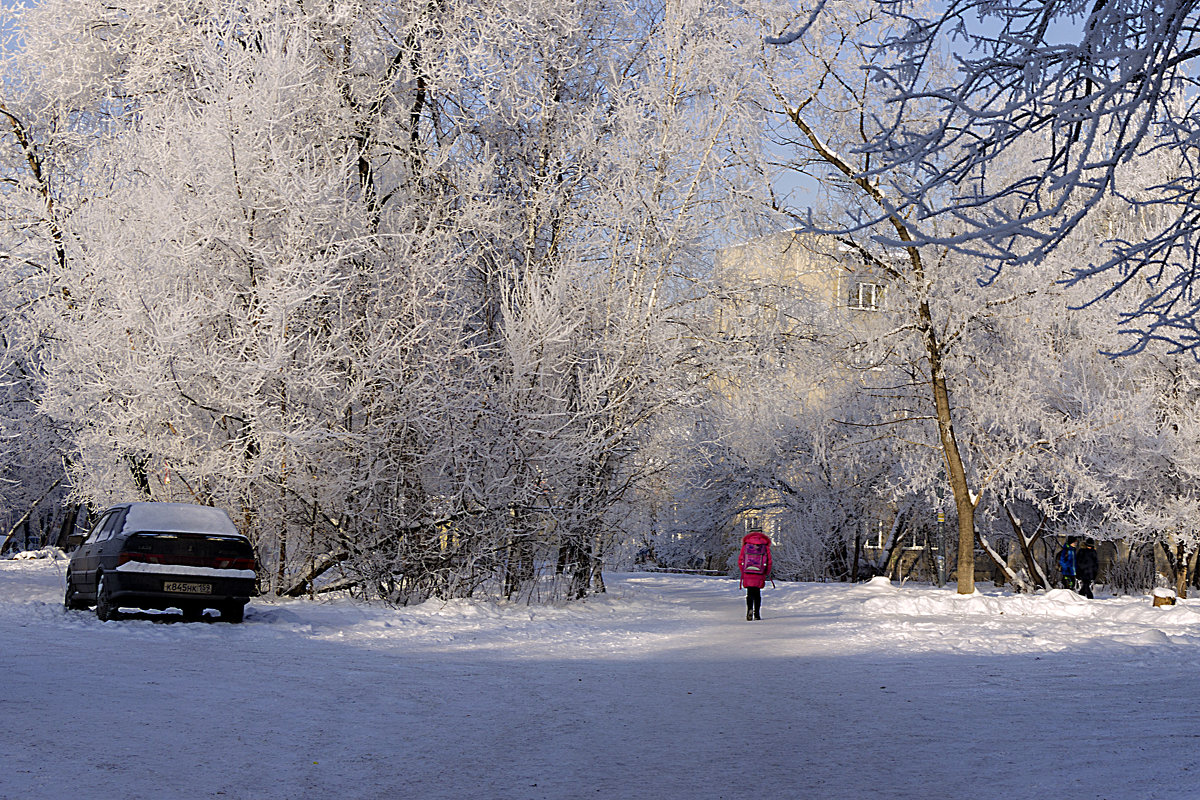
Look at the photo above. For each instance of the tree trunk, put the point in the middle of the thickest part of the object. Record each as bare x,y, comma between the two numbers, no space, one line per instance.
598,586
964,504
963,501
1179,561
25,517
1182,561
857,556
67,528
316,568
1035,569
895,555
575,563
1013,577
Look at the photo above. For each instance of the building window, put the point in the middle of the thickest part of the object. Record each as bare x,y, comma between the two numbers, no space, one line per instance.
866,296
876,537
873,534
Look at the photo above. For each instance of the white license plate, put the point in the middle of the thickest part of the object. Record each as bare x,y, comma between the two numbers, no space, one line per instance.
188,588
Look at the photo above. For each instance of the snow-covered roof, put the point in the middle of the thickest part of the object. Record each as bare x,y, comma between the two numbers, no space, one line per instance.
178,518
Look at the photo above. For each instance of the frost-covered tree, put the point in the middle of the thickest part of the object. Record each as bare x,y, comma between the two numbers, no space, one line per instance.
1092,89
1153,480
831,110
1058,425
391,282
1023,403
37,143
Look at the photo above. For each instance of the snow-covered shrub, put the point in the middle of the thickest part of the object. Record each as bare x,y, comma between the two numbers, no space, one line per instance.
808,555
1134,574
45,552
702,549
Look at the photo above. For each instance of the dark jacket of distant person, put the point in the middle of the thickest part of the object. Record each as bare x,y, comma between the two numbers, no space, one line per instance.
1087,563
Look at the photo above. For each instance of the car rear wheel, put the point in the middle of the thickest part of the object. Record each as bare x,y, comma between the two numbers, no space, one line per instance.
104,607
70,601
234,612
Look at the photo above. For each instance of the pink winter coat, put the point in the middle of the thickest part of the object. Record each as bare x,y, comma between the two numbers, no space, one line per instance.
752,578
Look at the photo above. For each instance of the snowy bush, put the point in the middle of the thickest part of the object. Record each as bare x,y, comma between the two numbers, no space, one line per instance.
395,284
807,558
45,552
1134,574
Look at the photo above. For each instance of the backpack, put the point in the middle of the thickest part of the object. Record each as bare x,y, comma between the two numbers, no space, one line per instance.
754,557
1066,560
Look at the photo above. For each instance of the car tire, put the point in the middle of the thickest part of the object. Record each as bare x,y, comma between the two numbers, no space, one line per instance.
233,612
70,601
104,607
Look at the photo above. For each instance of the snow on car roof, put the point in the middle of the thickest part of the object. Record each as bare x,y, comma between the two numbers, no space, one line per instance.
178,518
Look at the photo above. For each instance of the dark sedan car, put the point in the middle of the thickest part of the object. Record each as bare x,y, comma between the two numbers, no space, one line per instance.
163,555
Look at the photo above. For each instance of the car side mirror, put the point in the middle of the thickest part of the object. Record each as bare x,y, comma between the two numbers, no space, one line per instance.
76,539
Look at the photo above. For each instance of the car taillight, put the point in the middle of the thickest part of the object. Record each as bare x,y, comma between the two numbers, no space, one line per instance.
235,563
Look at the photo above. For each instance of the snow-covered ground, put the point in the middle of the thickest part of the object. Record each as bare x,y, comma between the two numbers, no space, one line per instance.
658,690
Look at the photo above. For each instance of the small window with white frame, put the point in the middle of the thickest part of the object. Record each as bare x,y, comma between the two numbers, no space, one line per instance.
876,537
873,534
866,295
917,539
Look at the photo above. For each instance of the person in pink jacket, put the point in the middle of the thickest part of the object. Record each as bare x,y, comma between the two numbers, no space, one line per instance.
754,563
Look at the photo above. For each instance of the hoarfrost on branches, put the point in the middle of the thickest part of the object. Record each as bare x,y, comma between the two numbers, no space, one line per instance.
391,284
1088,92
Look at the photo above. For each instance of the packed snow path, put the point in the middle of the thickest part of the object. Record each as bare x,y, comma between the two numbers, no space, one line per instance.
660,689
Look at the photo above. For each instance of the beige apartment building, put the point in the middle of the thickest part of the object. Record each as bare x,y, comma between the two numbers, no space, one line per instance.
764,281
790,284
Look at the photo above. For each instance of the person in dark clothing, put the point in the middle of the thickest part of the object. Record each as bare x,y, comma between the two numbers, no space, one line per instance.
1066,563
1087,567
